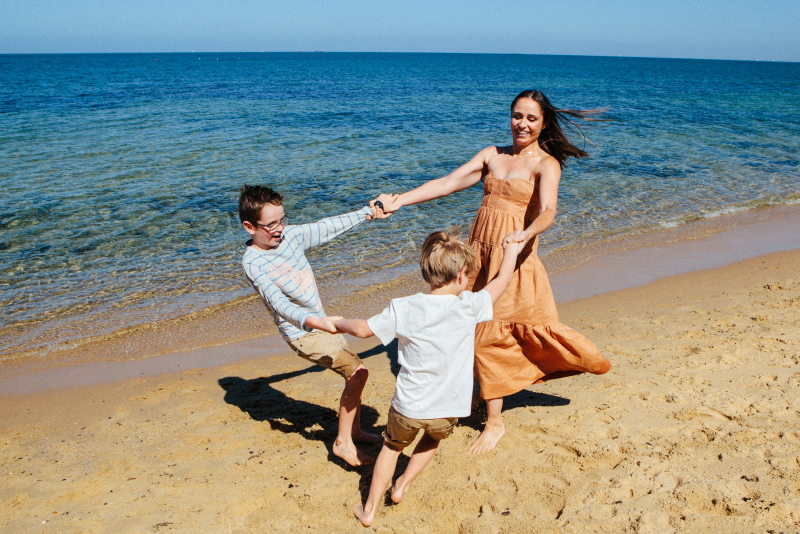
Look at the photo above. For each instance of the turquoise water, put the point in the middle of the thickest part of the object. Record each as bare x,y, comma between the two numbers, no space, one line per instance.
120,172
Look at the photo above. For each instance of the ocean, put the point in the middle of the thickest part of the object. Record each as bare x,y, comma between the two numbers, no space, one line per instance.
120,172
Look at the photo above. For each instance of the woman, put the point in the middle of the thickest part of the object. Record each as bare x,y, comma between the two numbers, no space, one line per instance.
524,343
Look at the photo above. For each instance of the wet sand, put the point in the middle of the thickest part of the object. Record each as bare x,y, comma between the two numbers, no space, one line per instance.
695,429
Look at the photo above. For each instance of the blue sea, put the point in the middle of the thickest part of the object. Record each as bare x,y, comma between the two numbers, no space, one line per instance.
120,173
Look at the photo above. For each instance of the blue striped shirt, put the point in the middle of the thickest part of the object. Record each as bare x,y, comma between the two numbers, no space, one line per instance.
283,276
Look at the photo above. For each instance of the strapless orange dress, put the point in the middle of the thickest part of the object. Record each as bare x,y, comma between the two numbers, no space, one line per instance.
524,343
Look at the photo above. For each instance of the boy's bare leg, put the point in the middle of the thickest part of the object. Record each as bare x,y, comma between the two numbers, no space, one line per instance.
381,476
349,407
494,429
423,453
359,436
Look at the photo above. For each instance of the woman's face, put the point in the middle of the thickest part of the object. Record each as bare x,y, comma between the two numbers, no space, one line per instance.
527,121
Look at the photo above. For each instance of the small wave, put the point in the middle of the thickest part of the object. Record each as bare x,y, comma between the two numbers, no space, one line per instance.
730,210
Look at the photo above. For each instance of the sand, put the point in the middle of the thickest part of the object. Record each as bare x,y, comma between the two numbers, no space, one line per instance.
695,429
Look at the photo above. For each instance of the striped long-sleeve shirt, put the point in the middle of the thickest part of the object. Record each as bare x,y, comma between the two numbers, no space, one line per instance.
283,276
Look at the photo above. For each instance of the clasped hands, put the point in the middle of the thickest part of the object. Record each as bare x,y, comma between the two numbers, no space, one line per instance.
387,201
516,236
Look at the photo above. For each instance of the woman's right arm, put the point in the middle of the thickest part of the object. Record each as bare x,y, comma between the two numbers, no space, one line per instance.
465,176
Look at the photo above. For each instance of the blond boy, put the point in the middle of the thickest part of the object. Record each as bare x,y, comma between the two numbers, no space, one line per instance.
435,335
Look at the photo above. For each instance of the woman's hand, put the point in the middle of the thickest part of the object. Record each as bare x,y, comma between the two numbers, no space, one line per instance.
382,211
389,202
517,236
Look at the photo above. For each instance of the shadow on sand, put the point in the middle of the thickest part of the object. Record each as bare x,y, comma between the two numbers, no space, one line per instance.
262,402
391,355
517,400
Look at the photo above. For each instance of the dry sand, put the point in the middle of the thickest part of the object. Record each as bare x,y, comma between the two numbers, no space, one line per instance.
695,429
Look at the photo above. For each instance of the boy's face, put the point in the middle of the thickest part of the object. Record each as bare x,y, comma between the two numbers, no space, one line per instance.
272,216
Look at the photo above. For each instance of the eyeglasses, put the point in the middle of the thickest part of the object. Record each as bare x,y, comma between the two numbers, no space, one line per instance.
271,227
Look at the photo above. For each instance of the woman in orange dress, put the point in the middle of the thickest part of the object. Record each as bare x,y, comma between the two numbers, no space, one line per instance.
524,343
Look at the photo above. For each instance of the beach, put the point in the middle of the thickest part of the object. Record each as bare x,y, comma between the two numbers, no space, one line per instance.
144,388
695,429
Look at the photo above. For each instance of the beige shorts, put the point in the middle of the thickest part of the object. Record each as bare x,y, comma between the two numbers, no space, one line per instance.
328,350
401,430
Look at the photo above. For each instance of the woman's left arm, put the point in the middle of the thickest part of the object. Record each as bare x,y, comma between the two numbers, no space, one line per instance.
549,177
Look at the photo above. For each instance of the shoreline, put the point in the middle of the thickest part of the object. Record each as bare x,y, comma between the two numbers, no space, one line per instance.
715,245
33,379
243,324
221,322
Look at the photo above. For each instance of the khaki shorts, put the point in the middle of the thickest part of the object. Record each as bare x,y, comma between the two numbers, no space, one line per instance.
401,430
328,350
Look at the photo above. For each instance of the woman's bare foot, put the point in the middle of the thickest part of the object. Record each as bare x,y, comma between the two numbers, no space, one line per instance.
365,518
398,493
350,454
488,439
364,437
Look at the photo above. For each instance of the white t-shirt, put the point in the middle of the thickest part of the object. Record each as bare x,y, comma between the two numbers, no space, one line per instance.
436,350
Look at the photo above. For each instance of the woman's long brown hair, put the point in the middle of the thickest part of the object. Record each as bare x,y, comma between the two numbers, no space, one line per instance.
552,138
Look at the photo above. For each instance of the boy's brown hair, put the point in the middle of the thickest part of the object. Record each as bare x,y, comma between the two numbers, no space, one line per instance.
443,256
254,197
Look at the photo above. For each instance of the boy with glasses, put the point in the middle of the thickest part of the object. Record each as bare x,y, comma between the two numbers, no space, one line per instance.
276,266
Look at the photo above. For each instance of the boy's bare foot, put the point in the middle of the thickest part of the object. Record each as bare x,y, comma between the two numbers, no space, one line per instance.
365,518
351,455
398,493
488,439
364,437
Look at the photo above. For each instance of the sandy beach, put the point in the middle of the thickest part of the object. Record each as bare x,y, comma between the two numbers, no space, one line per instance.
694,430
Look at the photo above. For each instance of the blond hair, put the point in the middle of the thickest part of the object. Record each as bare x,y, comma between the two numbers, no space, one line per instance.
443,256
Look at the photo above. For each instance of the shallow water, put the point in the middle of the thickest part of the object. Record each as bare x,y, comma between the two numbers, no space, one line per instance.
120,172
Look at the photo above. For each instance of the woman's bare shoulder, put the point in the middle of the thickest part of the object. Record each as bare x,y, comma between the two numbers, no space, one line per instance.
491,151
548,166
482,158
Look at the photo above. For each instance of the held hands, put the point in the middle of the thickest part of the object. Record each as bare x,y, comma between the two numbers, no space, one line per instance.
354,327
513,248
385,208
517,236
388,202
377,213
514,242
326,324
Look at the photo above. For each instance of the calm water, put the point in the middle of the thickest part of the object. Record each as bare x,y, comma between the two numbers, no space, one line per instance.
119,173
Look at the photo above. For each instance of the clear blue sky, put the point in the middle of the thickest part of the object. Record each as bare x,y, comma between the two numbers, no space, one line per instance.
717,29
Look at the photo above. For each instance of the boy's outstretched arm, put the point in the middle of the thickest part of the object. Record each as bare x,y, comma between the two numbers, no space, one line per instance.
324,230
354,327
500,282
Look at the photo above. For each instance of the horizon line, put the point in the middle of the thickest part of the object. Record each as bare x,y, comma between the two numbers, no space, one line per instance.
390,52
